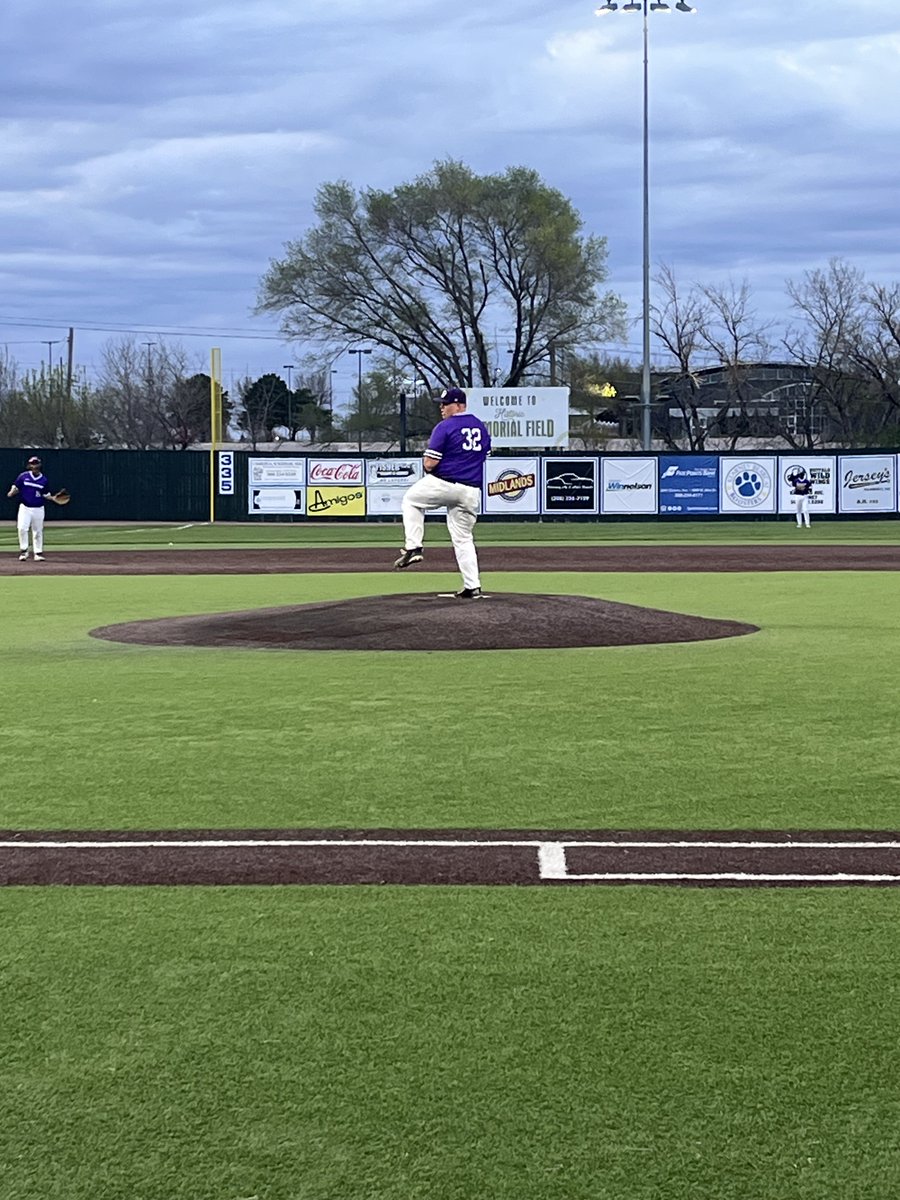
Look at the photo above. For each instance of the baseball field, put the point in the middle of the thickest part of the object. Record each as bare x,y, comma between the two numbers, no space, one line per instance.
579,922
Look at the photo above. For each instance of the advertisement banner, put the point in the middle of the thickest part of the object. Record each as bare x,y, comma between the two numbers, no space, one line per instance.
868,483
523,418
747,484
511,486
688,483
276,472
275,500
393,472
570,485
820,471
335,502
628,485
335,472
384,501
226,472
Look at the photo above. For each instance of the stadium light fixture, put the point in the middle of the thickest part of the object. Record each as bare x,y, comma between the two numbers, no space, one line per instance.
645,7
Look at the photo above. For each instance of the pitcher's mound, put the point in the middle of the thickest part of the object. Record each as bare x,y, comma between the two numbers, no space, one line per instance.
422,621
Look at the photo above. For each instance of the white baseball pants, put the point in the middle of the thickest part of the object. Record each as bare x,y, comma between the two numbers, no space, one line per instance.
31,520
462,513
801,504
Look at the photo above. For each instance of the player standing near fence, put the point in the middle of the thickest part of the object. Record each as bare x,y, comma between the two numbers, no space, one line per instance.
454,469
33,488
801,490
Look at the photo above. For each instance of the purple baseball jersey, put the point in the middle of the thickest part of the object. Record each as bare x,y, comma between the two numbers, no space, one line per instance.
460,444
32,489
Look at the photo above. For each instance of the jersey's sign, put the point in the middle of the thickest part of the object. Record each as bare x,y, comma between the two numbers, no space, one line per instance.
868,483
524,418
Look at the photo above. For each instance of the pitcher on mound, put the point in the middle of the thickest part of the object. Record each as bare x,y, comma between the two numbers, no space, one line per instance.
454,468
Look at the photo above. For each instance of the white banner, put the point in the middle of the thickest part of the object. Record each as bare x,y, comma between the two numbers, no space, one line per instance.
511,486
868,483
335,472
628,485
523,418
276,500
393,472
276,472
384,501
747,485
819,471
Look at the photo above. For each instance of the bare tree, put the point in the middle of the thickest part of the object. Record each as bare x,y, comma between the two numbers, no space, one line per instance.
678,322
831,308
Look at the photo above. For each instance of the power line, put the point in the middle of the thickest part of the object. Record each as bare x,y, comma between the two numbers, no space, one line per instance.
168,331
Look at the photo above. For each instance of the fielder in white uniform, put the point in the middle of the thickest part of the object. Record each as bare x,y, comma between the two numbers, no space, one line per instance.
33,489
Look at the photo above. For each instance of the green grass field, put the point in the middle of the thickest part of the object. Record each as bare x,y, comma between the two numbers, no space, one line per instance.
366,1043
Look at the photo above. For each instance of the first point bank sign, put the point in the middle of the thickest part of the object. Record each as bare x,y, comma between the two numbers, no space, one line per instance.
530,418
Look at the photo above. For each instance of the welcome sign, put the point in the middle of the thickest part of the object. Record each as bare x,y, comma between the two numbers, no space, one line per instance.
525,418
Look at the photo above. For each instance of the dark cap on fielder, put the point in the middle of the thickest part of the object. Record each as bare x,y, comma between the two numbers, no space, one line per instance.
452,396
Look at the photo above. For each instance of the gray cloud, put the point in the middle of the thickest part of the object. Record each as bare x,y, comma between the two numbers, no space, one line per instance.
155,159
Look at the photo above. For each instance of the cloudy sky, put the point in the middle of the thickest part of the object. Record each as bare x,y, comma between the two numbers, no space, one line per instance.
156,156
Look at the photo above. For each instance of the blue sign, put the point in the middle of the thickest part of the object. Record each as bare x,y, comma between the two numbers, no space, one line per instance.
688,483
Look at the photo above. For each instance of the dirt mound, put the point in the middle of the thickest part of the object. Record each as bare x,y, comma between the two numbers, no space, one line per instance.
425,621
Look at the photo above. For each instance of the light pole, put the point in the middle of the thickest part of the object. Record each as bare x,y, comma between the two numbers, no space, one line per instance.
359,394
289,368
644,7
50,344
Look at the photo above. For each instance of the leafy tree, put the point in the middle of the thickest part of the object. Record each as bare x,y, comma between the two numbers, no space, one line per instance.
429,271
188,411
263,407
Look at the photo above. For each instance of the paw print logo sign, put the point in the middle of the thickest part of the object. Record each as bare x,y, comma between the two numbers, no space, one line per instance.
747,485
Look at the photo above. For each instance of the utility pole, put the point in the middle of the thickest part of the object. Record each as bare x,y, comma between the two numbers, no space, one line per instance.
71,359
289,367
359,395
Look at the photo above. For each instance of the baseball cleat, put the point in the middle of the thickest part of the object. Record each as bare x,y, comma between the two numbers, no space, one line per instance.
408,557
23,557
469,594
39,558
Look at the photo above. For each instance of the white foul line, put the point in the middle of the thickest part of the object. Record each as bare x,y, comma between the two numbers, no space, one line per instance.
552,863
649,876
455,843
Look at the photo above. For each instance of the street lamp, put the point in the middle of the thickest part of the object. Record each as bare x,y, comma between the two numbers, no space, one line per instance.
289,368
643,7
359,394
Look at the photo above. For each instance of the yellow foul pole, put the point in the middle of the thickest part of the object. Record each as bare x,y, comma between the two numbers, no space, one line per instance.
215,423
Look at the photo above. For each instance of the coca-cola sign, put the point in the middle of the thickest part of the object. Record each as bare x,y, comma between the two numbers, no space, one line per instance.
344,471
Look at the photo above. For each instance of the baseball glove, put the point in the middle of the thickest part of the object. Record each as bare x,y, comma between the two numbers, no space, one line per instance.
62,496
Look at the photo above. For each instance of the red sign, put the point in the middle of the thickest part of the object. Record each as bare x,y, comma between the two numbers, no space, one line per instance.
335,472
